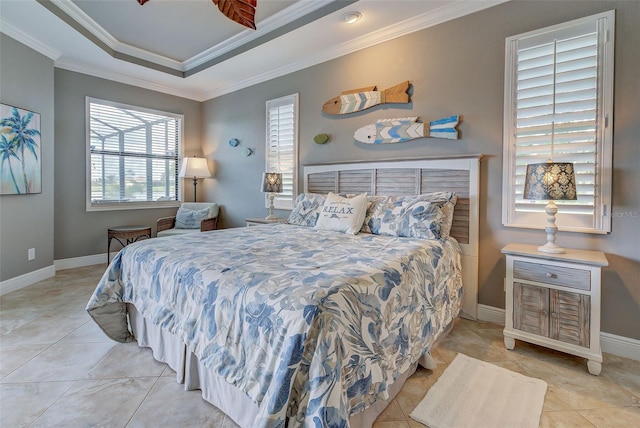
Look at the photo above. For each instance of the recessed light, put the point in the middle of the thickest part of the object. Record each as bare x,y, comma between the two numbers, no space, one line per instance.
351,17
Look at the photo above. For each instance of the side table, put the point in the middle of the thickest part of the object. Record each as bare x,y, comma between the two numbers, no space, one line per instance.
126,235
262,220
553,300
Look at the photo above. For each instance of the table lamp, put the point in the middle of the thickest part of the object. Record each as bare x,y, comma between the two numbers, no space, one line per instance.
195,168
271,183
550,181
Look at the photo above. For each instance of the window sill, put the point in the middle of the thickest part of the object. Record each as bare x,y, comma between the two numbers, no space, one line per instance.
132,206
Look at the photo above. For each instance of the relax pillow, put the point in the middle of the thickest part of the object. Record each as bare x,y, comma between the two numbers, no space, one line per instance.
422,216
342,214
306,209
190,219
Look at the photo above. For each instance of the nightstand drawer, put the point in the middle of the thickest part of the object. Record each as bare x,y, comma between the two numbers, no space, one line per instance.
549,274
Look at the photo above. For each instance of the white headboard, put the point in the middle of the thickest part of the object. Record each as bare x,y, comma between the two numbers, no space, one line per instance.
459,174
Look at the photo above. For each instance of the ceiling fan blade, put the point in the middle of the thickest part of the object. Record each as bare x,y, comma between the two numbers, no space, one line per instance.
241,11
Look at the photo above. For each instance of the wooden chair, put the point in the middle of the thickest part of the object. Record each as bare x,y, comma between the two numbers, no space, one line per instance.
166,226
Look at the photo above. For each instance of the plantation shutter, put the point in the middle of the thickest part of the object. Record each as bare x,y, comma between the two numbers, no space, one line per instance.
559,112
133,154
282,142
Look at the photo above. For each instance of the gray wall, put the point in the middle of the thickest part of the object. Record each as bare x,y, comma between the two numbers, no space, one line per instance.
456,67
78,232
26,221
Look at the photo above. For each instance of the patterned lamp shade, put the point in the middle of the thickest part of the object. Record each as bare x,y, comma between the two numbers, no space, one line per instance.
550,181
272,182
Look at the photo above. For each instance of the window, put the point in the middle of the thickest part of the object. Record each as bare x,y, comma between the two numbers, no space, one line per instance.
282,147
559,106
132,156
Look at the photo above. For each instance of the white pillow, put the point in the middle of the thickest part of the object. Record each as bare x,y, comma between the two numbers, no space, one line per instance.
343,214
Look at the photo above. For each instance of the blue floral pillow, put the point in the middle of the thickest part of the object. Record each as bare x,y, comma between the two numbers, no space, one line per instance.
307,207
423,216
190,219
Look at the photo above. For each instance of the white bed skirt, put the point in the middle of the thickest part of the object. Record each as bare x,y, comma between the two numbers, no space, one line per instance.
170,349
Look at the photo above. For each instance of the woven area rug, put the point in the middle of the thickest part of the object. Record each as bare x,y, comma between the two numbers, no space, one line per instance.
473,393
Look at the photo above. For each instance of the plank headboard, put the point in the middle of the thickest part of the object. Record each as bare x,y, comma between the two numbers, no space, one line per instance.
459,174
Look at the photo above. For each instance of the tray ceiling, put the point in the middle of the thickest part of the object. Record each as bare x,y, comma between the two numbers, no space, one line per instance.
188,48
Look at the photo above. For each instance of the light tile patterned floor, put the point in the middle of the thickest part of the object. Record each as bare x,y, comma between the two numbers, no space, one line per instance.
58,369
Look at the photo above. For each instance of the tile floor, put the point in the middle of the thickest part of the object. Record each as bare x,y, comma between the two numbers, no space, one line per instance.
57,369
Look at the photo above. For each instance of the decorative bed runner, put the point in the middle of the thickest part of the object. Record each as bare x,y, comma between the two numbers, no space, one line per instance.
473,393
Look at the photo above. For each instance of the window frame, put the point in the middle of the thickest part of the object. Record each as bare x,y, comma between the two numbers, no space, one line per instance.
284,203
118,206
601,218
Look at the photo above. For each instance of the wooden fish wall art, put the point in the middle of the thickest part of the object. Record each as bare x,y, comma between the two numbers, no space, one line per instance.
403,129
364,98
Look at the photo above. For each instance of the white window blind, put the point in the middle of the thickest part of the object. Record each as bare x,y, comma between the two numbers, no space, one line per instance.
282,147
132,156
558,106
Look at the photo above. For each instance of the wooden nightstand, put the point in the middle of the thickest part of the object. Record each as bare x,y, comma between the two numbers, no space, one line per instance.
257,221
553,300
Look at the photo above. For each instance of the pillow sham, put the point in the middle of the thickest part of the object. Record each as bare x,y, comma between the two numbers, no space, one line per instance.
306,209
427,216
343,214
190,219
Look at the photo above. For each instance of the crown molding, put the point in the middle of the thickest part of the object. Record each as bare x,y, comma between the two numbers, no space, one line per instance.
19,35
408,26
284,17
85,21
78,15
128,80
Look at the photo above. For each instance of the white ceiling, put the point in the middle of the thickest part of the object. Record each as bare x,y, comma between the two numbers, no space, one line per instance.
189,49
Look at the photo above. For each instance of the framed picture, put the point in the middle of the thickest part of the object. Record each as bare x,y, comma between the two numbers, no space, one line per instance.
20,165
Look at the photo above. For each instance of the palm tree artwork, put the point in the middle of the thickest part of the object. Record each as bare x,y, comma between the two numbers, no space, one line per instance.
20,167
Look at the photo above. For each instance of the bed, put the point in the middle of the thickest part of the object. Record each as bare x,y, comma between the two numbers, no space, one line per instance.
286,325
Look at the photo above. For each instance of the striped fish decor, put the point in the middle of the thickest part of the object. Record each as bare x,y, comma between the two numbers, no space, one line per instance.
403,129
364,98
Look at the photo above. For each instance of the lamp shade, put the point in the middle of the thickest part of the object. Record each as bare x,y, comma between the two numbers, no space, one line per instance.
272,182
194,168
550,181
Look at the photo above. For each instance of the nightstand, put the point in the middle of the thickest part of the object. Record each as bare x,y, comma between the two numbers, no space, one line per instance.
257,221
553,300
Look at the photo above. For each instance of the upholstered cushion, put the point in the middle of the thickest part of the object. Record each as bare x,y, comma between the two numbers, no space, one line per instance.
174,231
343,214
190,219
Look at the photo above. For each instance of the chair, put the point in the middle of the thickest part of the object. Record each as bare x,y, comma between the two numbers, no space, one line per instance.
166,226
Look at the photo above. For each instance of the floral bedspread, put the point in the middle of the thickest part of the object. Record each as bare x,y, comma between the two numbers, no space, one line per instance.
312,325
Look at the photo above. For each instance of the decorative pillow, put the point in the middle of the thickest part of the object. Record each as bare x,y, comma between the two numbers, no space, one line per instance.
342,214
307,207
380,207
409,216
372,206
190,219
447,209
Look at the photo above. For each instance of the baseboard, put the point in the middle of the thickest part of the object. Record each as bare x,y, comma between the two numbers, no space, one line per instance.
77,262
490,314
30,278
620,346
21,281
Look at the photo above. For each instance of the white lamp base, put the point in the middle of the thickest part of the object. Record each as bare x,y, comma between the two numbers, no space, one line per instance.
551,247
271,216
